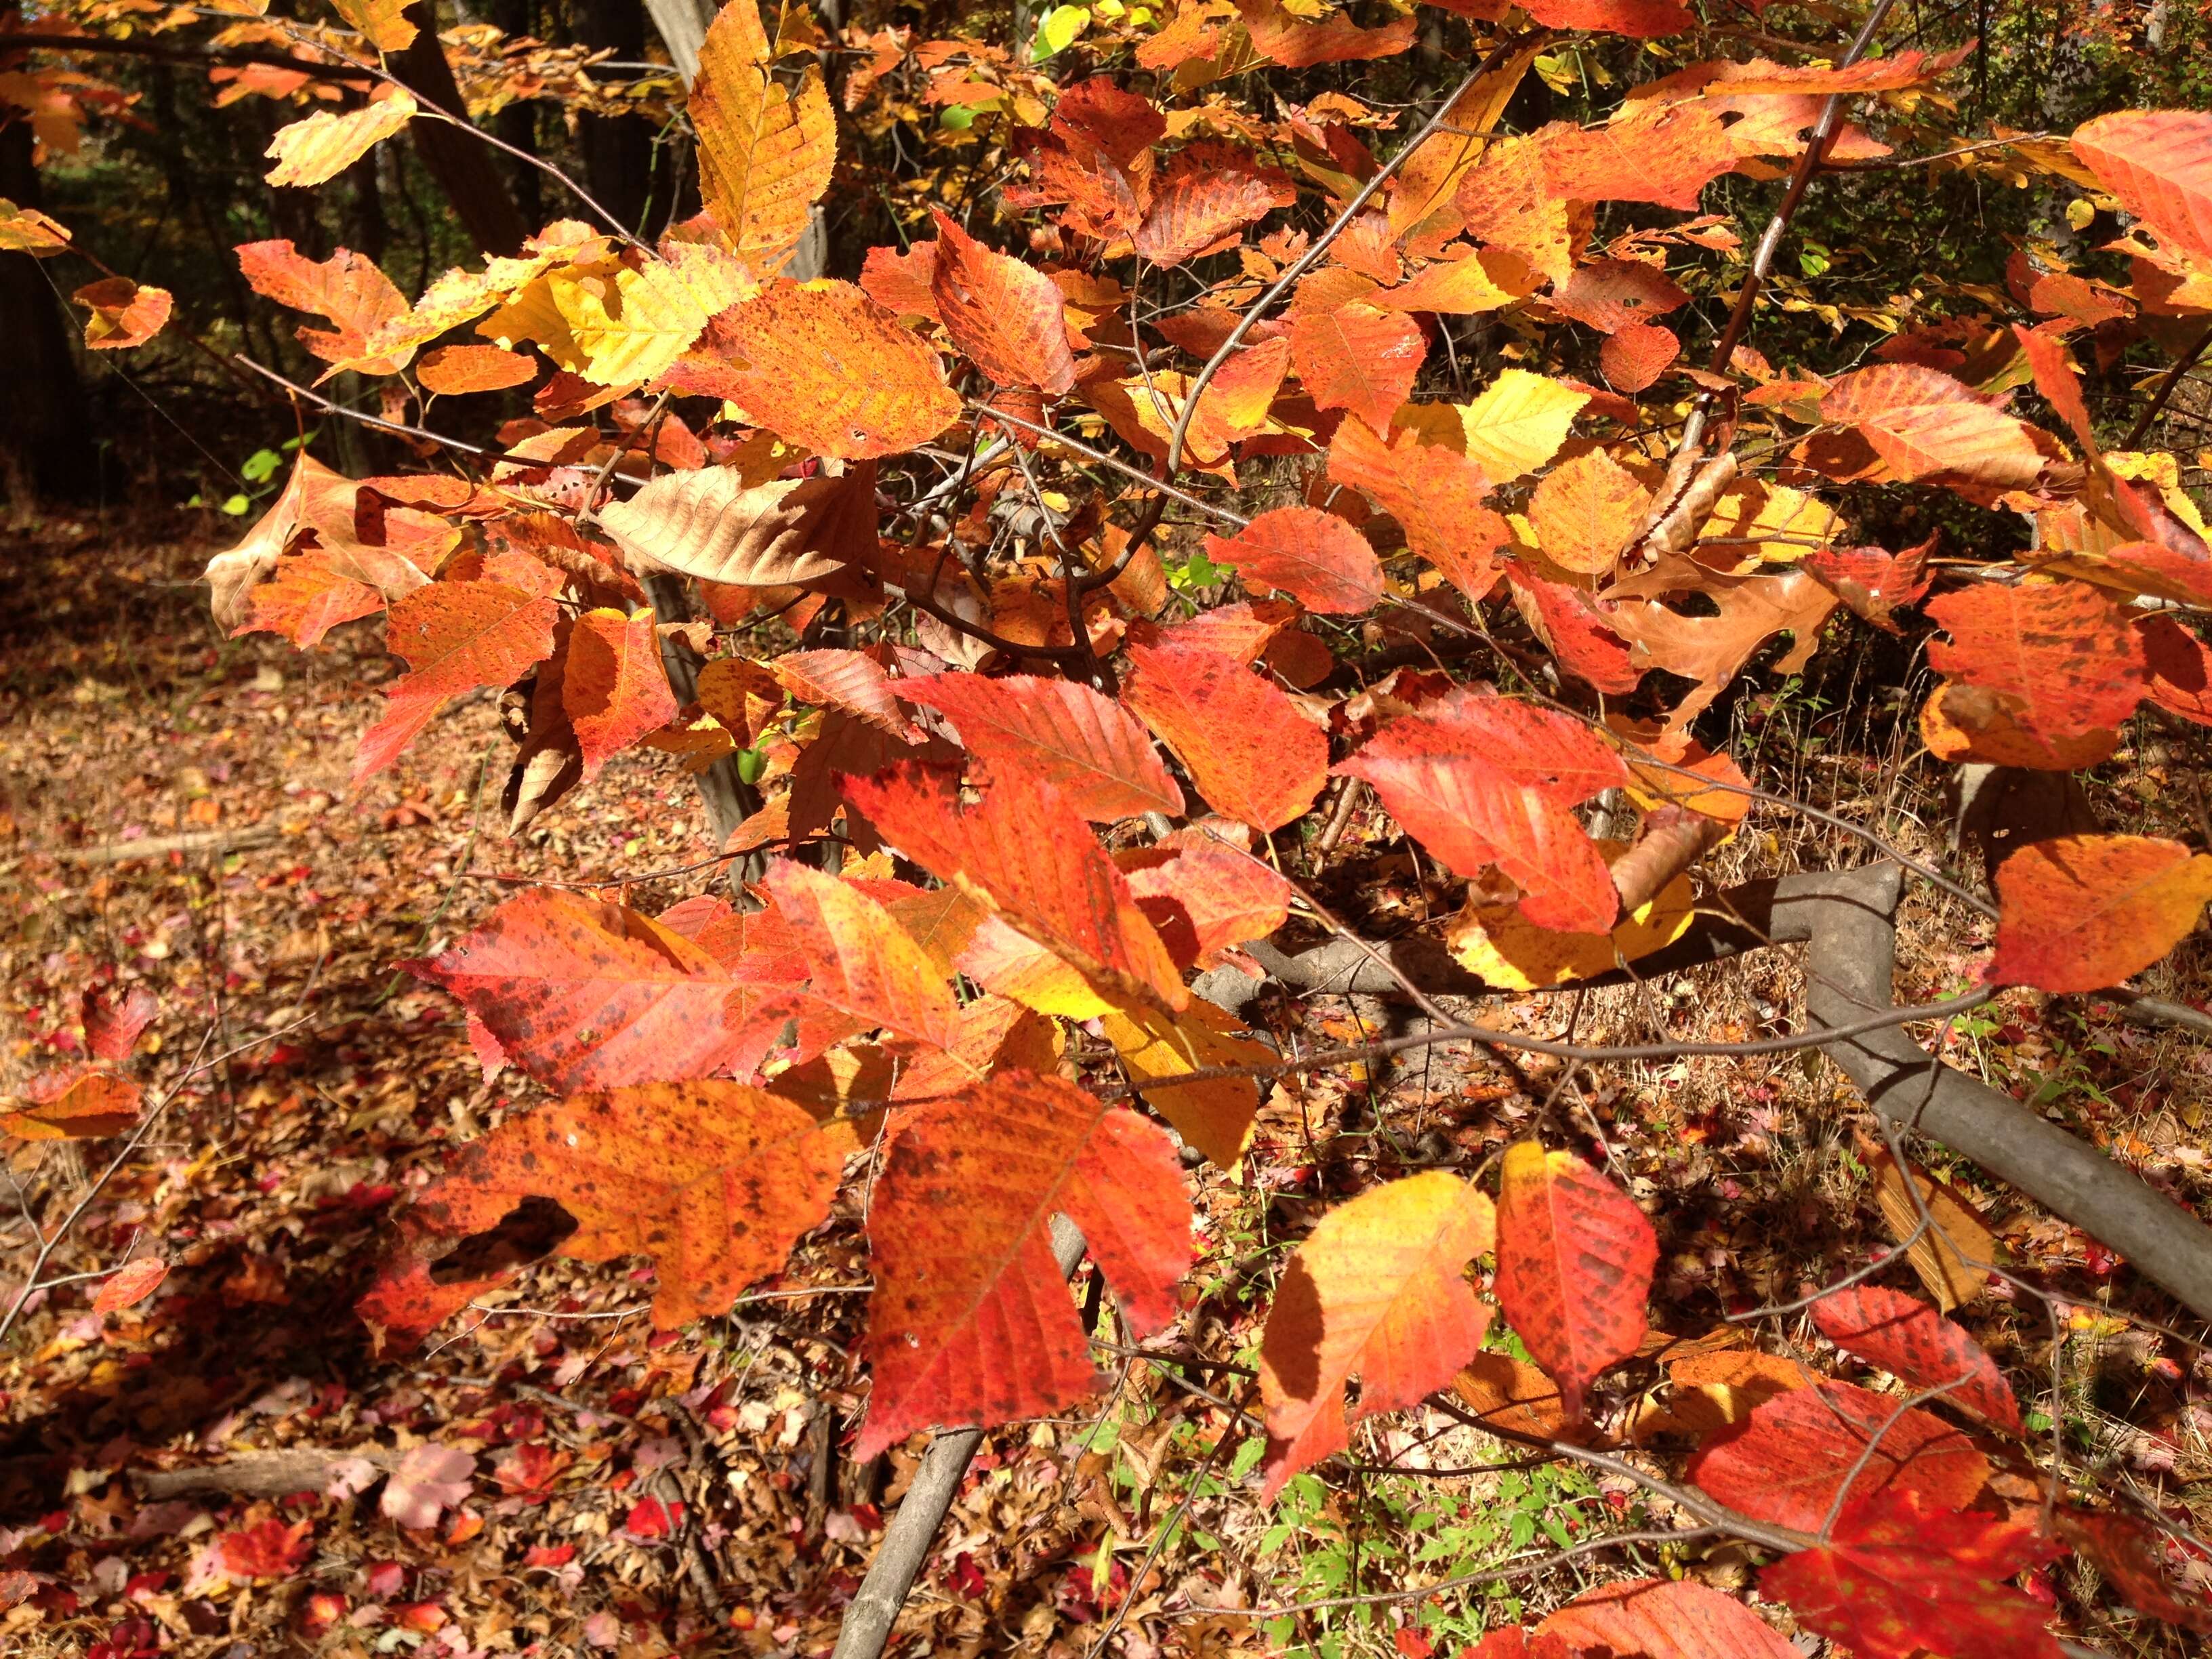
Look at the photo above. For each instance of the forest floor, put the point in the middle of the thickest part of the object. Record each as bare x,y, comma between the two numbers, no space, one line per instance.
175,815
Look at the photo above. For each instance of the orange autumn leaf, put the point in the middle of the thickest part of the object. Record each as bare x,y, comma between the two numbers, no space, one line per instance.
1575,1257
712,1182
1377,1289
1316,557
2159,163
1024,854
454,369
1248,750
1664,1619
2080,913
613,687
1436,495
1587,510
2060,657
124,313
1005,315
73,1103
970,1321
130,1286
1656,151
1359,357
1064,734
824,366
1483,779
454,637
584,994
857,957
1924,423
766,149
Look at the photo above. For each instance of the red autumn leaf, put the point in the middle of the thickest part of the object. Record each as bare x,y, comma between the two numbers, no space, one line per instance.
112,1025
1061,733
1435,495
714,1181
1316,557
1359,357
1924,425
1645,19
1511,1642
73,1103
1900,1575
130,1286
1658,152
1874,581
1377,1288
2159,163
454,637
2060,659
613,687
1211,191
1912,1341
1664,1619
583,994
454,369
857,957
1249,751
1024,854
1574,1266
2079,913
971,1321
2181,669
1787,1463
1204,898
1005,315
1482,781
823,366
1581,638
268,1549
652,1519
2161,1574
2057,380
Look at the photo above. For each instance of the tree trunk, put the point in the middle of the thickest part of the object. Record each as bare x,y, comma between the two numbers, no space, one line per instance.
46,427
683,26
517,124
617,149
465,167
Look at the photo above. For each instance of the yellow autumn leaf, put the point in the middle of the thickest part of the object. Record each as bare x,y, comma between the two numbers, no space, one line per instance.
1494,943
1155,1049
632,326
323,146
1518,423
26,230
383,23
765,153
1756,523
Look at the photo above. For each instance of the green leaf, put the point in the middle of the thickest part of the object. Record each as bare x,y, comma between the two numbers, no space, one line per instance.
238,506
1057,31
261,467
